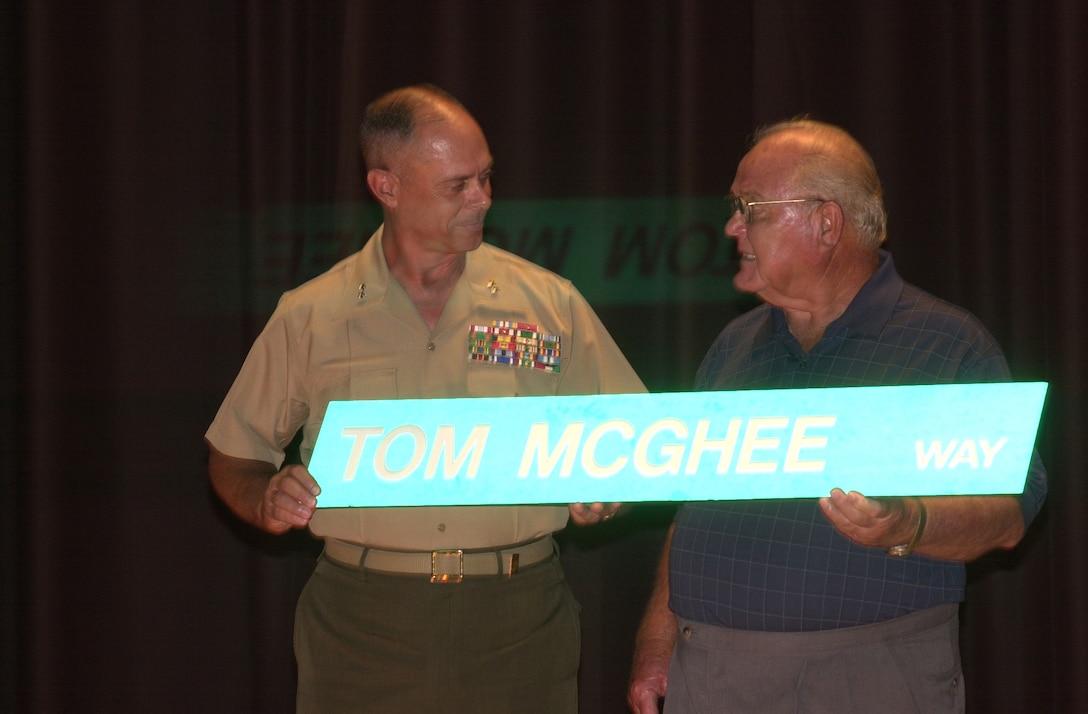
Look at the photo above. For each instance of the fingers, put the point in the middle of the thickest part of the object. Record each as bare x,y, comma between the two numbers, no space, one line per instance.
585,515
866,521
646,704
297,477
644,696
855,508
290,500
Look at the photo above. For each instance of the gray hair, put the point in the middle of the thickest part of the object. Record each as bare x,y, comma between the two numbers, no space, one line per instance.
835,167
390,121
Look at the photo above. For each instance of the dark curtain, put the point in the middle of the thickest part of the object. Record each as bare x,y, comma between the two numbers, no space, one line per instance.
145,145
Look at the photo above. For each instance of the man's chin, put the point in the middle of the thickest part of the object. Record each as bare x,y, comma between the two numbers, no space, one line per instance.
745,284
469,236
472,241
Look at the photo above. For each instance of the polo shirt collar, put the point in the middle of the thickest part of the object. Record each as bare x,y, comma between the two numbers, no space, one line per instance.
871,308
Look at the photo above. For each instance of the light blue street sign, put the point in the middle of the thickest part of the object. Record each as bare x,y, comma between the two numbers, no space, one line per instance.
958,439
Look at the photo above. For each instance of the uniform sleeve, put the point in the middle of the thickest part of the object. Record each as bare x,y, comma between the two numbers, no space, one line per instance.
596,366
266,405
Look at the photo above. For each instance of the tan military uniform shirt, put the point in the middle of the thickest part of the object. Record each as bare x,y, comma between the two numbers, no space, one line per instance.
353,333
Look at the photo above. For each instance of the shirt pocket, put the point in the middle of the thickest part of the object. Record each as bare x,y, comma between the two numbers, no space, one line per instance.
349,386
357,384
501,380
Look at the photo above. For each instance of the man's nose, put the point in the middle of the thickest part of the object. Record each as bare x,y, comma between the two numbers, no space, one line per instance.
480,197
734,226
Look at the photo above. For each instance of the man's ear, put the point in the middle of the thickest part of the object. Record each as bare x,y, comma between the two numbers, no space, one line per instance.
832,222
384,185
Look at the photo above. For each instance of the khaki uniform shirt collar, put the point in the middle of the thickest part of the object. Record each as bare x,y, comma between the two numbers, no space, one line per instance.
366,280
481,283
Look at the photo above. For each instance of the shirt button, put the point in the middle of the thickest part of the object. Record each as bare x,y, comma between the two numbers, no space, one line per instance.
687,633
441,527
430,346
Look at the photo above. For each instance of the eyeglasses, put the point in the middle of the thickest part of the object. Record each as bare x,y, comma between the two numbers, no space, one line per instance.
734,204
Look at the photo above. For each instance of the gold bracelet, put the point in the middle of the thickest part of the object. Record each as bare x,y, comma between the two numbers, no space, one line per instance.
899,551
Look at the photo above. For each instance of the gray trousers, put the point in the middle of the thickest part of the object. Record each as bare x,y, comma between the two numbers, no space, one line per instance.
366,642
909,665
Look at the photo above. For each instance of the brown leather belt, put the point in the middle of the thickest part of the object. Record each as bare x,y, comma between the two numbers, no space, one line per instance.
443,566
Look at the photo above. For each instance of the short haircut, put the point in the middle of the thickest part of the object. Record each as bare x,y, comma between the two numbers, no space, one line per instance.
390,121
836,167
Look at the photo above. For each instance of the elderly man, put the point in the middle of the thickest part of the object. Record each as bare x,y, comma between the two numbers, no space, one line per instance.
437,608
845,604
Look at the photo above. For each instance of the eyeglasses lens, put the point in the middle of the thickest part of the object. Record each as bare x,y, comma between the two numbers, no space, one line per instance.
734,204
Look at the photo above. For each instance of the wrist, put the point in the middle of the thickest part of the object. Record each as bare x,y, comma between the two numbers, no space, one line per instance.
907,547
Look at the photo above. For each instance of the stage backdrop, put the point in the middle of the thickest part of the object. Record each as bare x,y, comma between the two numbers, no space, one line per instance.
168,169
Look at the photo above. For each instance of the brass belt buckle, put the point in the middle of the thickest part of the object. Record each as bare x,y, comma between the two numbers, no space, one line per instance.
447,574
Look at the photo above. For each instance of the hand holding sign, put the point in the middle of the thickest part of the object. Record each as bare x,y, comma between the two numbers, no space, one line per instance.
582,514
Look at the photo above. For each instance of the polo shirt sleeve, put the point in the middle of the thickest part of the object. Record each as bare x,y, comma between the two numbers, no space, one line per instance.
993,367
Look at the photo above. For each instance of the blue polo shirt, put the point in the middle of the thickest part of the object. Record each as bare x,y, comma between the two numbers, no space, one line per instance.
780,565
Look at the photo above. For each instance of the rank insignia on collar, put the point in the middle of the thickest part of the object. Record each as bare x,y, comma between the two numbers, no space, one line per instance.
514,343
